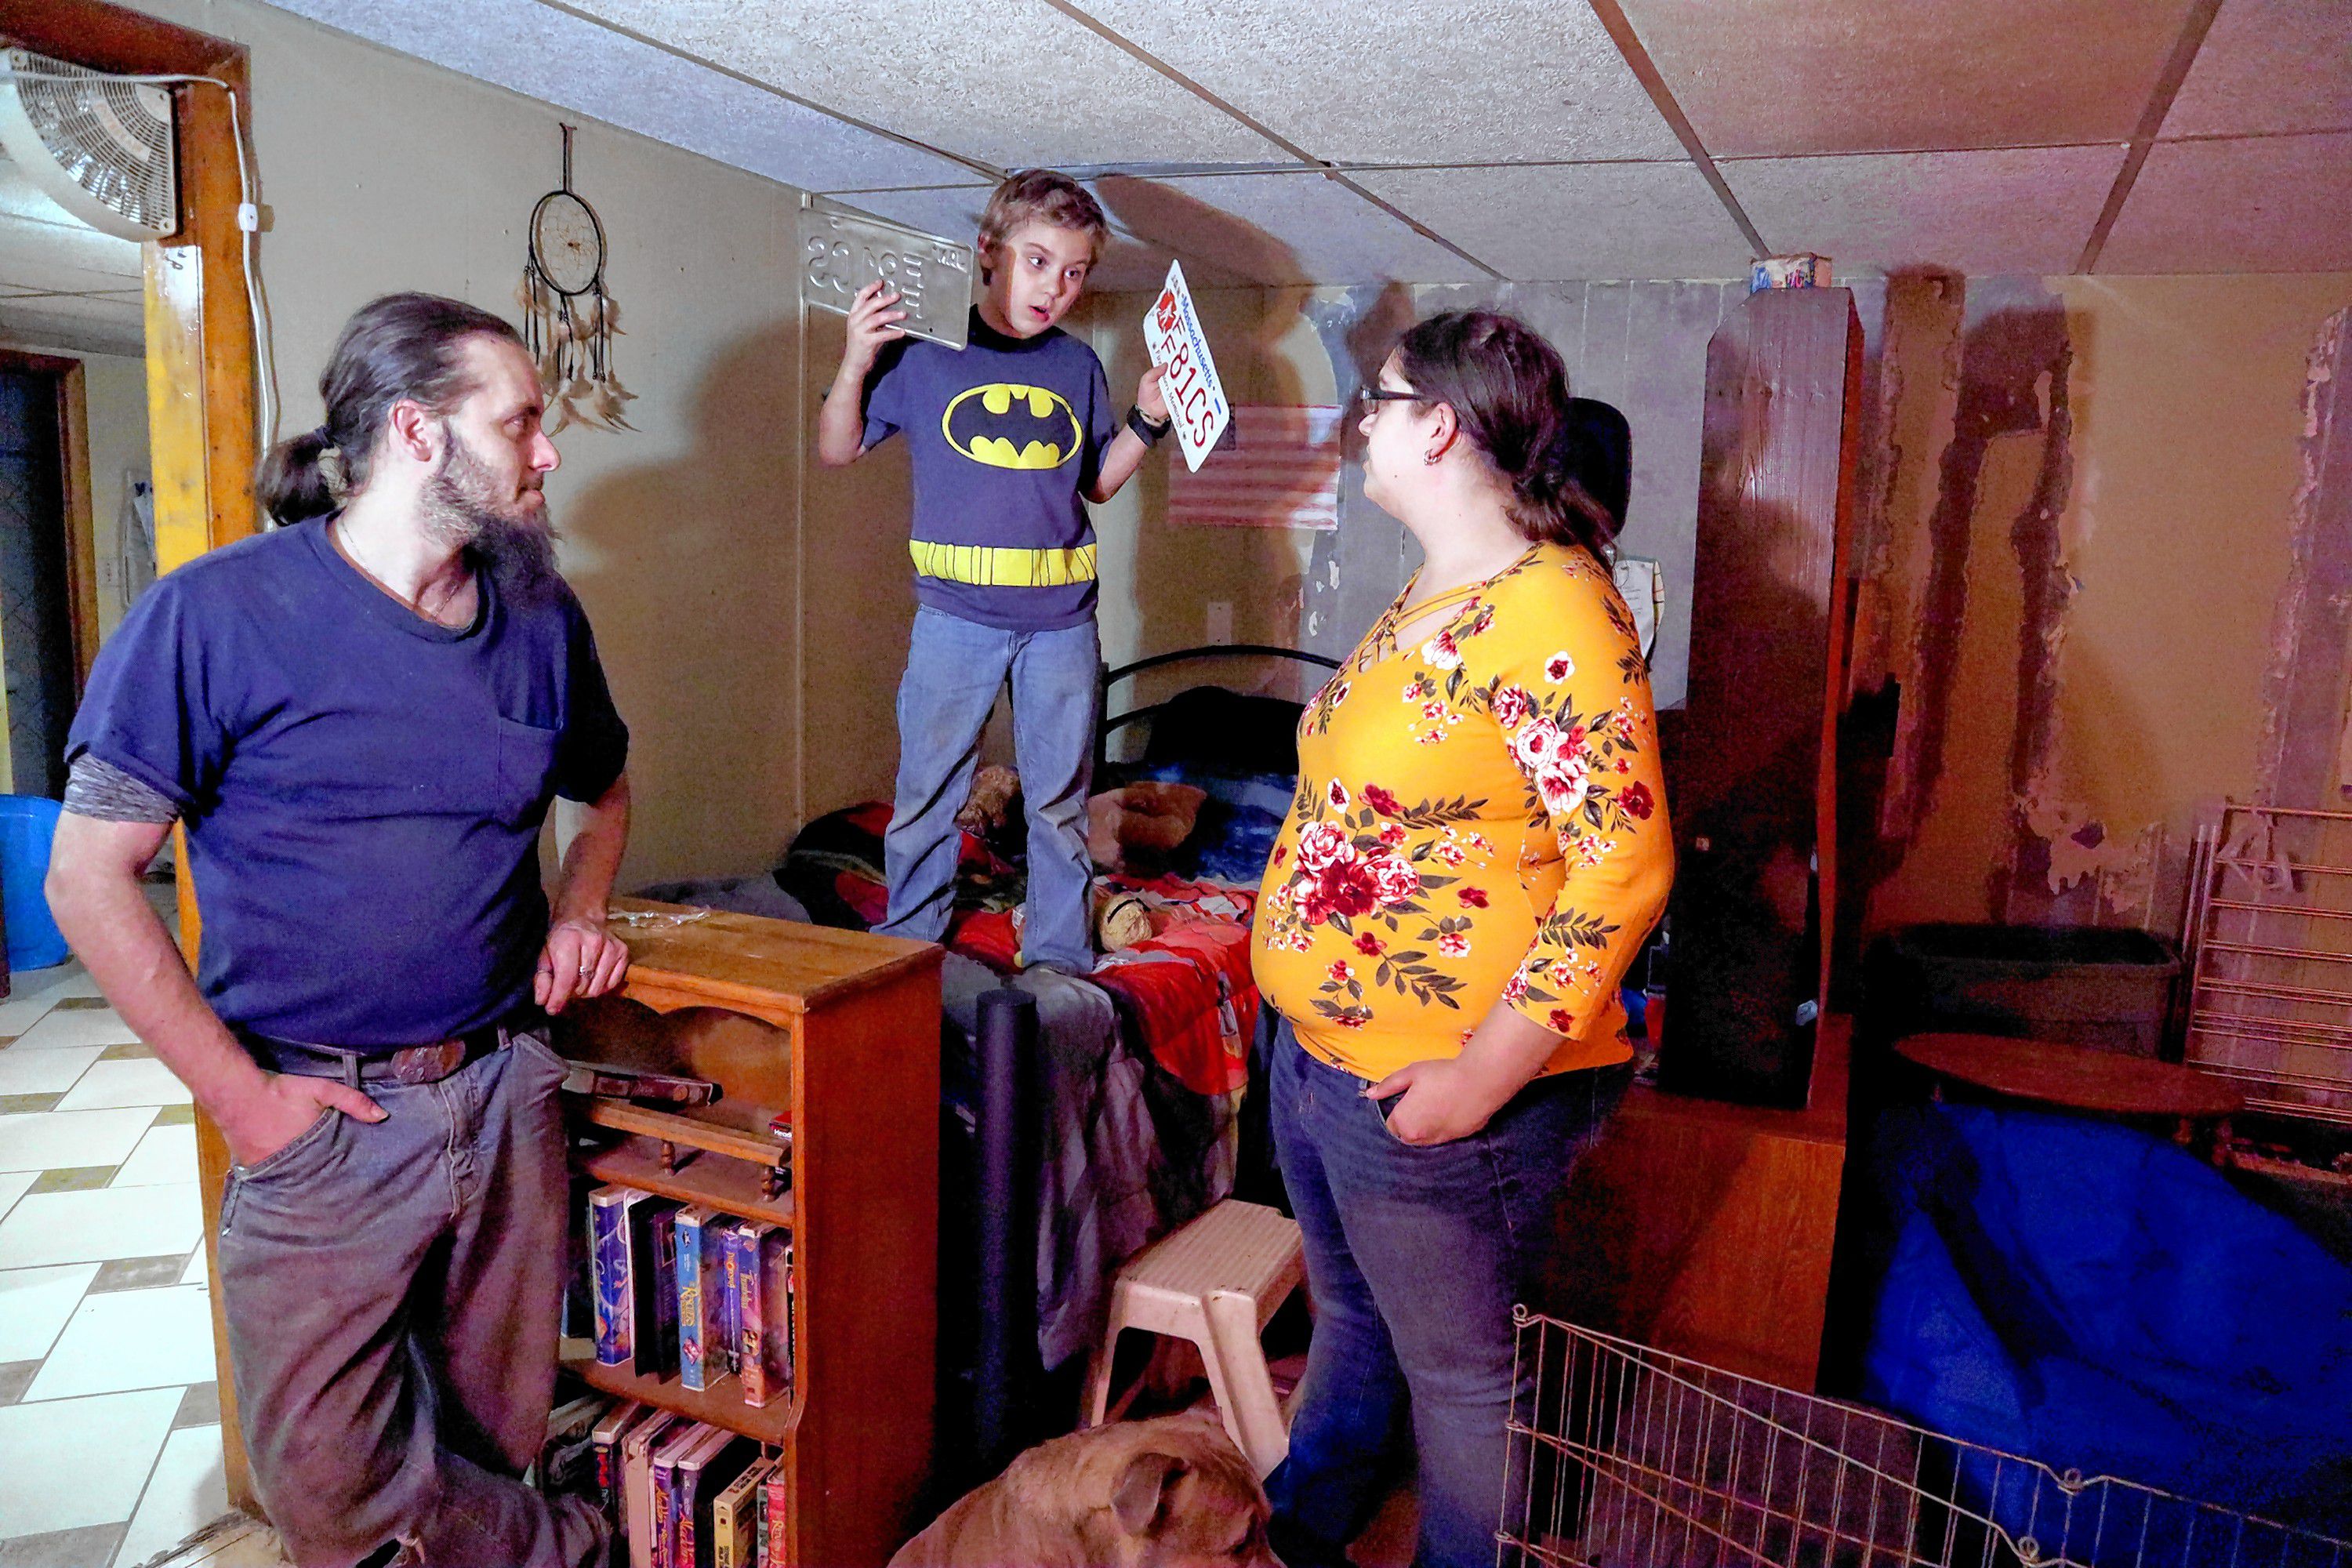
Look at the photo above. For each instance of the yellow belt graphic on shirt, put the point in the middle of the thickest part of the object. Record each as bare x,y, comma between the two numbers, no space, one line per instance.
1001,566
1006,424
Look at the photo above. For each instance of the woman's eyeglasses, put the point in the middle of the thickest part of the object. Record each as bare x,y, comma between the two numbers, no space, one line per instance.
1372,394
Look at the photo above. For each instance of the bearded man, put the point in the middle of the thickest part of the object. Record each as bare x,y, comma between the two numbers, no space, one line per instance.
361,717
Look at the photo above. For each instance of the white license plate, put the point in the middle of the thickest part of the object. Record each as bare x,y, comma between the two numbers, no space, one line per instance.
843,251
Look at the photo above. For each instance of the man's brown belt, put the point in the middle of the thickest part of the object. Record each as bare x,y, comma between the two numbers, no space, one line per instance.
357,1065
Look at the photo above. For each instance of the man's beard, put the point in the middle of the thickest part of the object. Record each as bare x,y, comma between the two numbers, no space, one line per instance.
503,534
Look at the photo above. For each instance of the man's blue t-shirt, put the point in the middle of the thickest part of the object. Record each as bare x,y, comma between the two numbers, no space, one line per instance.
362,789
1003,436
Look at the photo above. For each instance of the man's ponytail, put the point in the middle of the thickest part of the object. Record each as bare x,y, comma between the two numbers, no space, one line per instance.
301,477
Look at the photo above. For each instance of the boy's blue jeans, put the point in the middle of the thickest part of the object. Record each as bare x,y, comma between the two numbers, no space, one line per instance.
954,669
1415,1257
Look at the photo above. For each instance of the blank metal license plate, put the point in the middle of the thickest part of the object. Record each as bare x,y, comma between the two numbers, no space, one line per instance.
841,252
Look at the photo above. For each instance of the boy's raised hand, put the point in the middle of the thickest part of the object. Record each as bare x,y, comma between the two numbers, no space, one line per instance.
870,319
1149,397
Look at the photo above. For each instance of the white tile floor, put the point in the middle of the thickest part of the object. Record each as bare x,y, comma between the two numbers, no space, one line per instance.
108,1416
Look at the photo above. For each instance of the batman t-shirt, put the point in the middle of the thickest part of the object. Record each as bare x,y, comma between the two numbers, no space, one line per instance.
1003,436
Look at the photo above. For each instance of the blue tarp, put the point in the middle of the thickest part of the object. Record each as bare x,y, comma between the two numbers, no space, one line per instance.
2083,1294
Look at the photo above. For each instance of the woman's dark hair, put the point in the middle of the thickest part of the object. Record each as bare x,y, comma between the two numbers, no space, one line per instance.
1508,391
401,345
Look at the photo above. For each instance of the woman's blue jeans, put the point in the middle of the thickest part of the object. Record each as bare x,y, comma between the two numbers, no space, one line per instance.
1415,1257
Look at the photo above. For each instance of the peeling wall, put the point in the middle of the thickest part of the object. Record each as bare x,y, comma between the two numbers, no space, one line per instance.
2306,741
2086,487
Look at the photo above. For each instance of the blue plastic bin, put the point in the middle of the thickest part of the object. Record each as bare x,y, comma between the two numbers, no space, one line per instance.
27,824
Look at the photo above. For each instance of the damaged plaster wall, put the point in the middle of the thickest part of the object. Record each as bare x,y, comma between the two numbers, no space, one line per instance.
1639,346
2306,741
2084,485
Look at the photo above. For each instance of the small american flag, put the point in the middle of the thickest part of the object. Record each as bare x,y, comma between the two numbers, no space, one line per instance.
1280,469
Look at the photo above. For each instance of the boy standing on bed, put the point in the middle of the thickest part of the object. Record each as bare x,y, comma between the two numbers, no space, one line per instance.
1009,439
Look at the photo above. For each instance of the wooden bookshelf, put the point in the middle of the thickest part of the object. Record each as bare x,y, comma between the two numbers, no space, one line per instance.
720,1404
734,1186
839,1032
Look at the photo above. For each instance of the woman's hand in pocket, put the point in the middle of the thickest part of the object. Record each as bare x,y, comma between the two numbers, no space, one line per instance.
1439,1101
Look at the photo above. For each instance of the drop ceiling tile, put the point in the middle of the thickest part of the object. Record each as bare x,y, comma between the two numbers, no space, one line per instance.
573,62
1280,230
55,246
1012,84
1413,81
1541,224
951,211
1832,76
2023,210
2268,205
2269,65
32,223
27,267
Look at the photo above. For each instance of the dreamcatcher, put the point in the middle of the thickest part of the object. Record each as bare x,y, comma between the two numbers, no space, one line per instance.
569,321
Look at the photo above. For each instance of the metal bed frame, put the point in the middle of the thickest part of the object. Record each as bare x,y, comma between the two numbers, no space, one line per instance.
1104,723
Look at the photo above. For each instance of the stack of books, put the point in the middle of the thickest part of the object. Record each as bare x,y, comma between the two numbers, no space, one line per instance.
683,1290
676,1492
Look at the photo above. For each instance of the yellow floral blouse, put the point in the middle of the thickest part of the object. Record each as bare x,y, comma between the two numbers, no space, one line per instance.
1479,817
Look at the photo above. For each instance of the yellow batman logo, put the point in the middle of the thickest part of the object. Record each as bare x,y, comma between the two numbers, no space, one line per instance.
1007,425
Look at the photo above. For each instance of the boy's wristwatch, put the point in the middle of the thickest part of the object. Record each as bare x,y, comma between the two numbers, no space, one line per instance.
1145,430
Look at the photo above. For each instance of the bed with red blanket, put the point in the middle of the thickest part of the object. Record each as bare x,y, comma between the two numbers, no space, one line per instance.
1187,987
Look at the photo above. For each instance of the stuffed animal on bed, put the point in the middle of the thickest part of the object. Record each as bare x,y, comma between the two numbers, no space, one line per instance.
1120,919
993,805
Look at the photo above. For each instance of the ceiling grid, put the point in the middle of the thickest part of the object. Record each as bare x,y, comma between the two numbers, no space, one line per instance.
1456,140
2193,29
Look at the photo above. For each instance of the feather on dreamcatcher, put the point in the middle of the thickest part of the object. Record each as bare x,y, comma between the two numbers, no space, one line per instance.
569,321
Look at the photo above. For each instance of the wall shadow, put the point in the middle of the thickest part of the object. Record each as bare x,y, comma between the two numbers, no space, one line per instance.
674,559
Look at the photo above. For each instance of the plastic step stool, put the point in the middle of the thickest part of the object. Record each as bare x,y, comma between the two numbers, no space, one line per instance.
1214,1281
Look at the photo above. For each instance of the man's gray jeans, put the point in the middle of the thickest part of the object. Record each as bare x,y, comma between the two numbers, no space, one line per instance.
392,1290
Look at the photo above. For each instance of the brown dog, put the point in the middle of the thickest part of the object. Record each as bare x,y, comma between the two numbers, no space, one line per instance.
1166,1493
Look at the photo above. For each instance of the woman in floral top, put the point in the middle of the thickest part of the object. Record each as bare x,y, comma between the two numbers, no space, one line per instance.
1477,849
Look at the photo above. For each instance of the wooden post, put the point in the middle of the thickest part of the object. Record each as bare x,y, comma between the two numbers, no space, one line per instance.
1754,800
200,398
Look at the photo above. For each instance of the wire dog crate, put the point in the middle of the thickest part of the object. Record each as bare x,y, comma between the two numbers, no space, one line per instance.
1624,1456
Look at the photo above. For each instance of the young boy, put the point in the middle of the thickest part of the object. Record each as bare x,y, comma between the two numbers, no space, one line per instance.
1009,438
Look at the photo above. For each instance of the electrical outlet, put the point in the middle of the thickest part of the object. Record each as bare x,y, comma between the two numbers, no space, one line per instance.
1220,622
